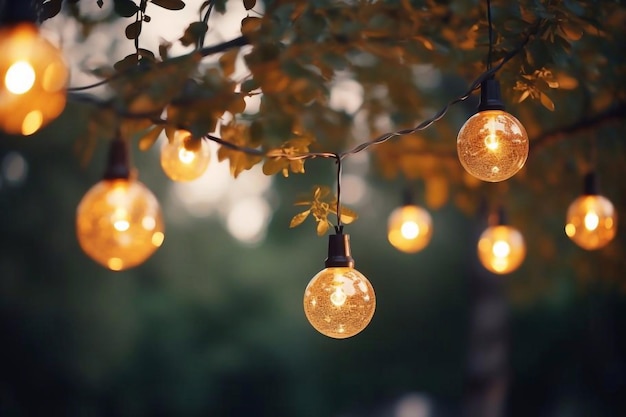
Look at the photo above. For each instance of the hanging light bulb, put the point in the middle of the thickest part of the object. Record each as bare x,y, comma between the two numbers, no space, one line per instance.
185,158
501,248
492,145
118,221
409,228
339,301
33,74
591,218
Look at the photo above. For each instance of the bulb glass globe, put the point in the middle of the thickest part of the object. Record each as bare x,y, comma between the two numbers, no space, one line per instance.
591,221
119,223
409,228
179,162
492,145
339,302
501,249
33,77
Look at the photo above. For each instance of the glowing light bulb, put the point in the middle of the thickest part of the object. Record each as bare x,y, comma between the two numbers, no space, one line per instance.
409,228
501,249
492,145
339,302
185,159
119,223
591,221
33,77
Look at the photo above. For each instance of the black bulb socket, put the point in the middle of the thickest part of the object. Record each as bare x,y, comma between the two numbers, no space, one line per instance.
590,184
499,217
118,167
339,252
490,95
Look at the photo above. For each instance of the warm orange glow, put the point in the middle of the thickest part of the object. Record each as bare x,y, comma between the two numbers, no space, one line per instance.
409,228
501,249
32,80
119,223
591,221
339,302
492,145
181,163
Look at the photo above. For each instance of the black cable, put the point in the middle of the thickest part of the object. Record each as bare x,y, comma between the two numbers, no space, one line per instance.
490,28
338,158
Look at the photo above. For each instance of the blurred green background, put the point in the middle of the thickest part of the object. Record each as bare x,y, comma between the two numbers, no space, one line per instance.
210,326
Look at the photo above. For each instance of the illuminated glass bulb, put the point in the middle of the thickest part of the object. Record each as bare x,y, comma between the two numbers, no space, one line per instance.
33,77
119,223
492,145
501,249
185,159
409,228
591,221
339,301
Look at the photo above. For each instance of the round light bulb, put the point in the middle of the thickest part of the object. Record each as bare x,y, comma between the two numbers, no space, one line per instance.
591,221
339,302
492,145
33,77
185,159
409,228
119,223
501,249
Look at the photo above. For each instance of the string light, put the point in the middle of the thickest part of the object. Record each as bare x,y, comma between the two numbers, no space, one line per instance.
501,248
185,158
409,227
339,301
492,145
591,218
118,221
33,74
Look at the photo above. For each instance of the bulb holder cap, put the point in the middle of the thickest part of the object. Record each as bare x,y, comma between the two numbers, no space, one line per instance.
499,217
590,184
117,166
490,95
339,252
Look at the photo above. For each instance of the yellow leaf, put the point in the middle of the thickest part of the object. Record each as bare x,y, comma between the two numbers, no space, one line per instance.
299,218
547,102
150,138
524,96
227,62
273,165
322,227
347,215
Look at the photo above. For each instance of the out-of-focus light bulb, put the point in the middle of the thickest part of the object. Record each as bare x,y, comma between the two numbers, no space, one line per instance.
119,223
33,77
339,301
501,249
409,228
492,145
591,221
185,159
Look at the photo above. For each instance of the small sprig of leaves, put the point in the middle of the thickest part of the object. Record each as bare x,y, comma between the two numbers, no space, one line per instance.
239,135
531,85
321,204
278,159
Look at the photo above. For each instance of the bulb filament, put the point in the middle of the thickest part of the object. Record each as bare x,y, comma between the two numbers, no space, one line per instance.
591,221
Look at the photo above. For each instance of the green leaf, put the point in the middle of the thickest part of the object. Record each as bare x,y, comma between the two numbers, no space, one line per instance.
299,218
150,138
133,30
170,4
125,8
